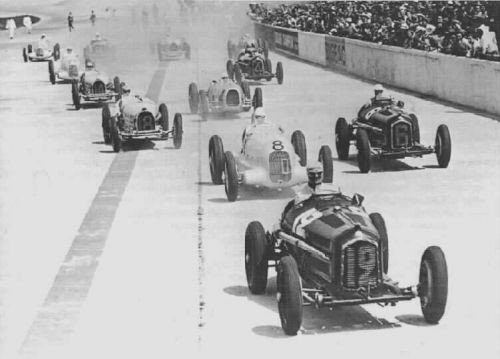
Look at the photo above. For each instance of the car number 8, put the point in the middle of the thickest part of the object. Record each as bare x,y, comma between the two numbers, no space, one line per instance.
278,145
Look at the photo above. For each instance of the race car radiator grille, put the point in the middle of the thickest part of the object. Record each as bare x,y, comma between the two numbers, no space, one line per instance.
258,66
359,265
233,98
39,52
279,166
145,122
98,87
401,135
73,70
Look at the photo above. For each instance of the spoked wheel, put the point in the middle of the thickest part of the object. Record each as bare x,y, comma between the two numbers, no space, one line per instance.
194,98
216,159
326,159
106,131
379,223
443,146
75,94
164,116
52,75
279,73
299,146
177,130
289,295
230,177
364,152
342,139
256,257
433,284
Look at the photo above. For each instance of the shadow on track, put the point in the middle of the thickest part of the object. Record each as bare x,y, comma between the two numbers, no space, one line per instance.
250,193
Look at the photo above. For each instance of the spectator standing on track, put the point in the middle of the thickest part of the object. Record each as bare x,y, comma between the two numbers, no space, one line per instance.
70,22
27,24
11,26
92,17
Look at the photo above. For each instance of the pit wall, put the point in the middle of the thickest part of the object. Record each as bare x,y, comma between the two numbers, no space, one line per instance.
465,81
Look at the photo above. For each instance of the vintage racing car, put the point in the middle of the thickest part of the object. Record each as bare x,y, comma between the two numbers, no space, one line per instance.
385,130
67,68
341,253
268,158
95,86
138,118
41,53
251,64
173,49
98,48
223,96
234,48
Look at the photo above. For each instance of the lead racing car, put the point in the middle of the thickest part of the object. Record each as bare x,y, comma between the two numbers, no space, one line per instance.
68,68
268,158
252,64
383,129
223,96
234,48
341,253
138,118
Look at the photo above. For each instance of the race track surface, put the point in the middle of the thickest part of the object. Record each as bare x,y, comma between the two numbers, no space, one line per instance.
139,255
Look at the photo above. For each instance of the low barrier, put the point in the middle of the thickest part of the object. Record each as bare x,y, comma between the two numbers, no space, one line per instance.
471,82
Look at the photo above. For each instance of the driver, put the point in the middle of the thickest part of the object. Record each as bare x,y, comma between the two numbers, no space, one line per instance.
314,183
43,42
89,65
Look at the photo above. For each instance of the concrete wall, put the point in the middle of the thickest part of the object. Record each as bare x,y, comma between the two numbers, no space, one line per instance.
470,82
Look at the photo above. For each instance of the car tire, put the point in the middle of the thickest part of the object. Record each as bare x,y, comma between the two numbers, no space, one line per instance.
326,159
117,85
265,48
52,75
256,257
230,177
279,73
204,105
25,55
268,66
163,110
289,295
106,116
238,75
245,88
342,139
443,146
299,146
364,152
415,127
116,139
216,159
56,52
433,284
76,95
379,223
257,100
230,69
194,97
30,49
177,130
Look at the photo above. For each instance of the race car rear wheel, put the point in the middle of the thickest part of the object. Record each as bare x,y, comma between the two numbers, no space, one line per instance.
379,223
299,146
279,72
177,130
216,158
163,116
56,52
76,95
230,177
194,98
443,146
30,48
416,128
52,75
256,257
116,139
257,100
238,75
204,105
117,85
25,55
230,69
268,66
106,116
326,159
364,153
289,295
342,139
433,284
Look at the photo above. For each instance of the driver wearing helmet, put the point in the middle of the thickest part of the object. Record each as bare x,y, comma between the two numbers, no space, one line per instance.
43,42
314,183
89,65
259,116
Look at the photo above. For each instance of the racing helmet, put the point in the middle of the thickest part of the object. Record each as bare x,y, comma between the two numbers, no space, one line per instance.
378,89
315,174
69,50
97,36
43,36
259,115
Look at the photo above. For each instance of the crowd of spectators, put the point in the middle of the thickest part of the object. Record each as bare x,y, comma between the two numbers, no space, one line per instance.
460,28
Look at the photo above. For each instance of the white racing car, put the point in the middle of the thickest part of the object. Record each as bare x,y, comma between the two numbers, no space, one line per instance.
267,158
67,69
41,53
136,118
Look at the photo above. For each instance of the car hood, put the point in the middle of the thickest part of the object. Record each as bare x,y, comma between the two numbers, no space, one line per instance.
93,76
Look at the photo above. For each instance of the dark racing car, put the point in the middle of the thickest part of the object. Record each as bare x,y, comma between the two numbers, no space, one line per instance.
385,130
252,64
341,253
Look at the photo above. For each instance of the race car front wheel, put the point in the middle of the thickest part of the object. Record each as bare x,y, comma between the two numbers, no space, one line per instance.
443,146
177,130
433,284
216,159
194,97
230,177
364,153
279,73
52,75
76,95
342,139
163,116
25,55
379,223
106,117
299,146
256,257
116,139
326,159
289,295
